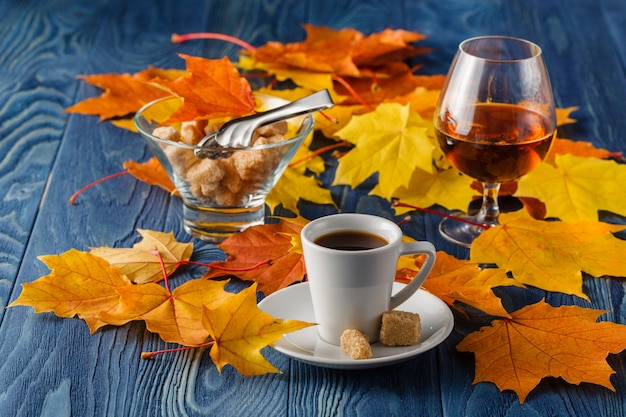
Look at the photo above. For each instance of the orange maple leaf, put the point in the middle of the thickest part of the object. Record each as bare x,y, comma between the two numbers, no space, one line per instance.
342,52
402,88
151,172
561,146
123,93
379,49
262,254
213,89
543,341
176,316
457,280
240,330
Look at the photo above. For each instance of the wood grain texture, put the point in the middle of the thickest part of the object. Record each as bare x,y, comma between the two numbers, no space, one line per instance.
54,367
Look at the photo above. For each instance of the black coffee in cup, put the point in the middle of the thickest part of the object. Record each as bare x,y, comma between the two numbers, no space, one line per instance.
351,240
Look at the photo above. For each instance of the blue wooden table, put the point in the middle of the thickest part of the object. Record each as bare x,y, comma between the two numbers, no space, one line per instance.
54,367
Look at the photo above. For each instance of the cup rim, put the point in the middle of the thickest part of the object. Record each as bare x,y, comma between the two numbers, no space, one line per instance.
139,115
535,50
346,228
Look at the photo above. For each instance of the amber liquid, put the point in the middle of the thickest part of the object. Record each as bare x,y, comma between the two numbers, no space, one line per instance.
500,144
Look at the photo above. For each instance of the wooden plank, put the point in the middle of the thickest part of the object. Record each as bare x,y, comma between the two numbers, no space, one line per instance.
40,57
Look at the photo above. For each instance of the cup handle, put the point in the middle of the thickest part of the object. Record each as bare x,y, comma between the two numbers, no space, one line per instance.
426,248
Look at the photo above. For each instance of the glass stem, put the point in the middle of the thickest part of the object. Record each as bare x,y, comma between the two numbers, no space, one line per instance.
489,211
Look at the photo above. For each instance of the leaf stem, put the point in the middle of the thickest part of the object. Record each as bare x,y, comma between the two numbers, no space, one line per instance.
156,253
352,91
319,152
92,184
247,268
150,355
397,203
176,38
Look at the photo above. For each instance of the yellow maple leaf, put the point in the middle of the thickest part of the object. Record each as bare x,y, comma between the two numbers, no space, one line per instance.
549,254
240,330
335,118
575,188
447,188
294,186
543,341
140,263
296,183
392,140
312,81
80,284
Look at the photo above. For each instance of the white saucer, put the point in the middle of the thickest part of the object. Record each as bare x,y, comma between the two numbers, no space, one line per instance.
294,303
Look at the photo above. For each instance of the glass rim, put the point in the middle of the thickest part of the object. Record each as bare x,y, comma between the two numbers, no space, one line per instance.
534,49
138,124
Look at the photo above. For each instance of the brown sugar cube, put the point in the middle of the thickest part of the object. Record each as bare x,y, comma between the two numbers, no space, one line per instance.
400,328
248,164
226,198
167,133
277,128
356,344
233,179
192,132
182,159
204,177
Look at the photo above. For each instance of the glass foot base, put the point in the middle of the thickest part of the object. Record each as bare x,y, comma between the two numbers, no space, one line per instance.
459,232
217,224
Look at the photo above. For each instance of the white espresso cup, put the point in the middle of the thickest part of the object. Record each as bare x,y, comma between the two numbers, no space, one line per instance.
351,262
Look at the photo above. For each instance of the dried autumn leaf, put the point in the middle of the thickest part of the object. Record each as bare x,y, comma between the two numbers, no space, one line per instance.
213,89
80,284
401,88
339,52
447,188
562,146
543,341
294,186
578,187
175,316
307,80
392,140
262,254
549,254
123,93
151,172
457,280
240,330
140,263
378,49
296,183
563,115
336,118
422,101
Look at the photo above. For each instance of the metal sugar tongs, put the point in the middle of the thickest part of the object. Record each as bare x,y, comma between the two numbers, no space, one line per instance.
237,133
